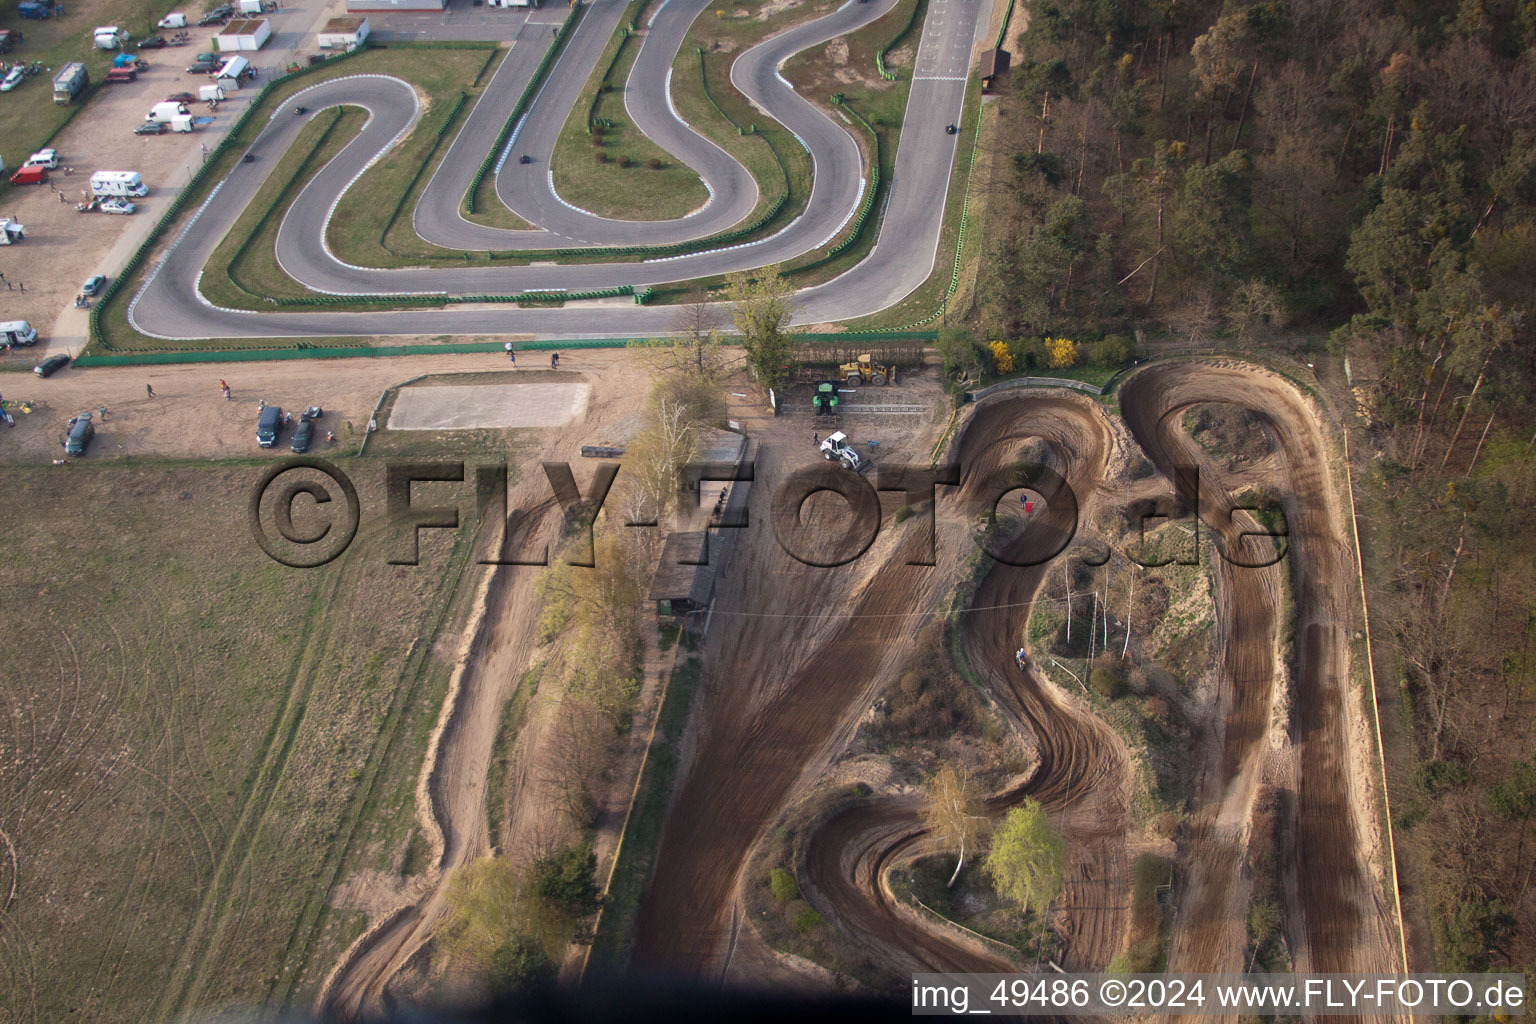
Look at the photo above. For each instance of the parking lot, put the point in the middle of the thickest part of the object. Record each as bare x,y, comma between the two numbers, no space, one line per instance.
63,246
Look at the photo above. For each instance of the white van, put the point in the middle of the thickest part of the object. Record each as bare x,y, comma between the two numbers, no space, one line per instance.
166,112
18,332
108,37
174,20
48,158
118,183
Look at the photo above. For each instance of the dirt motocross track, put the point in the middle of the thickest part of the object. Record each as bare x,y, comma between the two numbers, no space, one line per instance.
752,756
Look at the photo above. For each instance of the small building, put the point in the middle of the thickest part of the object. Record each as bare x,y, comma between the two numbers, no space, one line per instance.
993,64
244,34
356,6
344,34
683,590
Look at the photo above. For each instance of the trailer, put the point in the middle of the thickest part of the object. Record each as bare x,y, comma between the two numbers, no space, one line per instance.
107,37
70,82
118,76
210,93
11,233
182,123
118,183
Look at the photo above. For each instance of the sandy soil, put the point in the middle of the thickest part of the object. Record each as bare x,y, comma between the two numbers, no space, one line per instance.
497,652
1338,920
189,418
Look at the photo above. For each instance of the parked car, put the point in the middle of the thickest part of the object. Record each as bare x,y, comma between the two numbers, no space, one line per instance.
181,97
204,67
150,128
153,42
268,426
117,206
12,80
81,430
301,436
93,286
211,57
313,412
217,16
44,158
51,365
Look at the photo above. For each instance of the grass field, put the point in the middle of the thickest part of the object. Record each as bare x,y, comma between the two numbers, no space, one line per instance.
28,115
200,741
609,167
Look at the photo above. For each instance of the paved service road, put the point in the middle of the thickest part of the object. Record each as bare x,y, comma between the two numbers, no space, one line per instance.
169,304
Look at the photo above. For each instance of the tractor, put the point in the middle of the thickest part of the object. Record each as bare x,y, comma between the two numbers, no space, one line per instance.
836,446
865,370
825,400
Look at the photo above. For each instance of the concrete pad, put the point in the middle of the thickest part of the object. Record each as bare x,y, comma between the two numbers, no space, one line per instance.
471,406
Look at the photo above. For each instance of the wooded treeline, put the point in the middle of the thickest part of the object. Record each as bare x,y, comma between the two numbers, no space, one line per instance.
1365,170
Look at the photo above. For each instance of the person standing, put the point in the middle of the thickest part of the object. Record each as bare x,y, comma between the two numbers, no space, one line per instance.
149,389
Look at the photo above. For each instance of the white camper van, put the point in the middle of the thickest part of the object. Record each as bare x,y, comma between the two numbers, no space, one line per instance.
108,37
18,332
118,183
174,20
166,112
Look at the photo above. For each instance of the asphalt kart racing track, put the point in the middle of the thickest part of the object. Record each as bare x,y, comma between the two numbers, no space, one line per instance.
170,306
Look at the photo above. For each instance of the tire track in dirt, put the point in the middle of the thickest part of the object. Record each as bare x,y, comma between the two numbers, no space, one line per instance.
1081,775
455,772
1338,923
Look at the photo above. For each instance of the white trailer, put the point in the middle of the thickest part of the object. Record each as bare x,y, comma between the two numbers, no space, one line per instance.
11,232
118,183
108,37
181,123
210,92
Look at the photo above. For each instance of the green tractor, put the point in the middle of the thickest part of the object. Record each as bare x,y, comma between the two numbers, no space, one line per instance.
825,399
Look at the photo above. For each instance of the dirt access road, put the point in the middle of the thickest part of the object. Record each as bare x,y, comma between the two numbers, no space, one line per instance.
1081,772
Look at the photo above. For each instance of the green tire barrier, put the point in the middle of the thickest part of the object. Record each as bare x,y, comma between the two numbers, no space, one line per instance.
709,95
624,32
539,297
308,350
521,107
281,200
885,72
442,132
871,193
1003,32
194,188
965,210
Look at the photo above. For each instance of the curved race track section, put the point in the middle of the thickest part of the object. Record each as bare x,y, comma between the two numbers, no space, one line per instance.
170,306
1082,775
1340,921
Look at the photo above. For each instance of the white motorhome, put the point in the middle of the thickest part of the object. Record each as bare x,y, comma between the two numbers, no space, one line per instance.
166,112
118,183
18,332
11,232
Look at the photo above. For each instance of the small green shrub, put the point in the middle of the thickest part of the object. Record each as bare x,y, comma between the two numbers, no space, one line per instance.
807,919
783,885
